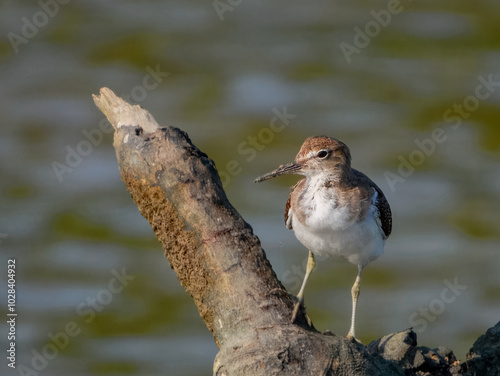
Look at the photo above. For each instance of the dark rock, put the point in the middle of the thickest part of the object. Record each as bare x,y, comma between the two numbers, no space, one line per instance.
401,348
484,356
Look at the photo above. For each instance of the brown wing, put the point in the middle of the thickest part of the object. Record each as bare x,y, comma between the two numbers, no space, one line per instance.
382,204
384,211
288,214
288,211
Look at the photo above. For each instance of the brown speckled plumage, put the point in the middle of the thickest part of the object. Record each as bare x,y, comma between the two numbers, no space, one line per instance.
348,186
334,210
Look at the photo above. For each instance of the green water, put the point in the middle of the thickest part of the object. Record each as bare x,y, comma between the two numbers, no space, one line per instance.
416,97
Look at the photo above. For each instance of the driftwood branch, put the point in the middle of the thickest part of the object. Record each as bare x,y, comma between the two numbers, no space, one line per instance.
221,264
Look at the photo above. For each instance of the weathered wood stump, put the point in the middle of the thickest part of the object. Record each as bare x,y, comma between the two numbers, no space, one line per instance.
221,264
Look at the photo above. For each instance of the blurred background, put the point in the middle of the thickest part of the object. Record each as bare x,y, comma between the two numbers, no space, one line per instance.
412,87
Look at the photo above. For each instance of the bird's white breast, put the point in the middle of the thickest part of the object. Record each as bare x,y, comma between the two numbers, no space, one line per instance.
329,229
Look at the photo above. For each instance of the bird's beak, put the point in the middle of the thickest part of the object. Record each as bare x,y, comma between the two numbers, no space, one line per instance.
291,168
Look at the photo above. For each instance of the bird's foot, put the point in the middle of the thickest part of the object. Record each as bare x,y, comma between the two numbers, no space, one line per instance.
298,305
353,338
299,314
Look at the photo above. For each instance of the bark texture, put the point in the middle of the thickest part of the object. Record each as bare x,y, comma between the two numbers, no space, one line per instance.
221,264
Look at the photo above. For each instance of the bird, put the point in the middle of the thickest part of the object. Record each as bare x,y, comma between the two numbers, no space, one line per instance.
334,210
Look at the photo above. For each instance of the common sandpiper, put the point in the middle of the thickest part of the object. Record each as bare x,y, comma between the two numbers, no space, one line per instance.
334,210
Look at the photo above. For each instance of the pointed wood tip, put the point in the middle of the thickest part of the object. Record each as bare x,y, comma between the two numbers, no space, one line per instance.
121,113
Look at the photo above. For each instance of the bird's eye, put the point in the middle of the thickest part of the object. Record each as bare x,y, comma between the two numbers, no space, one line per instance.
322,154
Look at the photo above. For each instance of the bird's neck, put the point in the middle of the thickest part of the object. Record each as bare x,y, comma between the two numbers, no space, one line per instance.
338,177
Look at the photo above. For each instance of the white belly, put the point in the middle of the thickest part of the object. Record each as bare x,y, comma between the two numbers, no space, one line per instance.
328,232
359,243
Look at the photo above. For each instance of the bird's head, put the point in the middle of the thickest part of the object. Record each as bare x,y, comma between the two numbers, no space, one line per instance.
318,155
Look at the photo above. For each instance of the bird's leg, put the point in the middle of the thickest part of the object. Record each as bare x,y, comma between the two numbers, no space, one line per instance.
355,295
311,263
